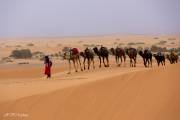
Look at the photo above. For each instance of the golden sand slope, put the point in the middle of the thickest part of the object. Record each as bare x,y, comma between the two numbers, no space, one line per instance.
145,95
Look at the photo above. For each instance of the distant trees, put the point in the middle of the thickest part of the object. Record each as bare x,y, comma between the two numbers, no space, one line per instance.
21,54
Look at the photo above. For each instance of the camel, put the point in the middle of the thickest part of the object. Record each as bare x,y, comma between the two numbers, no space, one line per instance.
102,53
172,57
119,54
132,53
160,58
73,55
89,55
147,57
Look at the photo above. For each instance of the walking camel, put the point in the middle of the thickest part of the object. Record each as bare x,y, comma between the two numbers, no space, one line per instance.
119,54
102,53
147,57
74,56
89,55
132,53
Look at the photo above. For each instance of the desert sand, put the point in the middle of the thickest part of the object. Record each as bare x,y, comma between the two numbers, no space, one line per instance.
114,93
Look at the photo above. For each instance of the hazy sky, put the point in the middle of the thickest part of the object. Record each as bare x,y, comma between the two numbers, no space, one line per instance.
87,17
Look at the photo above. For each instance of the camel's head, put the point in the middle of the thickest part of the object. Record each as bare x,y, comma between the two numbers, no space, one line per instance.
126,50
96,50
112,51
82,54
155,56
141,53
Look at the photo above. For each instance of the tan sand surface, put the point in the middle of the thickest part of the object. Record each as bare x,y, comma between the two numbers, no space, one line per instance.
150,94
114,93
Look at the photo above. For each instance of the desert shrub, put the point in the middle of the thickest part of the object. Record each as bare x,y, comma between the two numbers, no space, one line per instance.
59,44
18,54
164,49
162,42
80,41
140,43
121,44
51,55
56,55
22,63
155,48
139,48
41,59
86,45
156,38
38,54
171,38
65,49
178,49
30,44
115,43
131,43
8,46
18,46
117,39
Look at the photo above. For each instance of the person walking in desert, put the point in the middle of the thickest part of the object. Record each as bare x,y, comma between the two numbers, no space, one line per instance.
48,65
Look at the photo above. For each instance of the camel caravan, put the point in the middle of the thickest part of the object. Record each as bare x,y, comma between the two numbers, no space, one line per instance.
73,55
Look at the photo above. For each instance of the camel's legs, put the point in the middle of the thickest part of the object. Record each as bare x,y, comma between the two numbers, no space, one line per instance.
104,62
144,62
74,62
89,62
151,62
117,60
162,63
84,63
100,61
80,63
147,62
124,60
134,61
121,60
130,62
93,63
107,59
69,66
158,63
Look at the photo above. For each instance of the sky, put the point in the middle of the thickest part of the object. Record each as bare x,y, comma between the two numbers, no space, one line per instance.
29,18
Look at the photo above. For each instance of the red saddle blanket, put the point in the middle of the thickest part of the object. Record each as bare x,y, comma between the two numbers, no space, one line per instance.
74,51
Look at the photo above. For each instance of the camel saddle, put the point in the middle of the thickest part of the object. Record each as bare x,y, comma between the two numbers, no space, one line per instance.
74,51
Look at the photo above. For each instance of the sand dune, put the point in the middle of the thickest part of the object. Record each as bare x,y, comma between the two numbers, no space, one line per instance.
151,94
